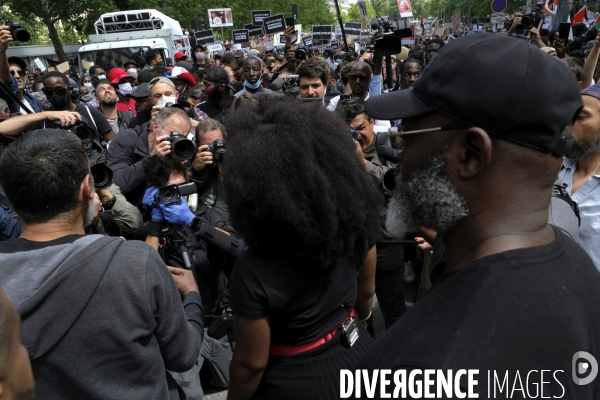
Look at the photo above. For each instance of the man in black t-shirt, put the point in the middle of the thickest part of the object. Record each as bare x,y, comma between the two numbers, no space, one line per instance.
516,307
58,91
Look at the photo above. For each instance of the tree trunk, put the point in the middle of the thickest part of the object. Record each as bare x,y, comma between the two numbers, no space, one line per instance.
53,33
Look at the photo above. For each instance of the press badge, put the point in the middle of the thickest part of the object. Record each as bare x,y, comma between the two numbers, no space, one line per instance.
349,331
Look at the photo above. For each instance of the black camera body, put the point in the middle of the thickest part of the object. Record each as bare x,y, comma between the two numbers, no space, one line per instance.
290,85
302,52
356,136
170,194
103,176
389,41
18,31
218,150
183,148
528,21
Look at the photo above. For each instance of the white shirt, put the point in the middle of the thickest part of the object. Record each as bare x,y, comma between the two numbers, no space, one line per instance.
26,103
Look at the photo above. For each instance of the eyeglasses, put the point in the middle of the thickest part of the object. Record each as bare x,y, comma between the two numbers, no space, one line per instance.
397,134
357,77
18,71
59,91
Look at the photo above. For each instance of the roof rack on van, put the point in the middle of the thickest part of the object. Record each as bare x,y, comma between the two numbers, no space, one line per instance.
135,20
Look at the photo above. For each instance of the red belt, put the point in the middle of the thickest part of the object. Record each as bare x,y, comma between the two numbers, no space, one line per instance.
280,350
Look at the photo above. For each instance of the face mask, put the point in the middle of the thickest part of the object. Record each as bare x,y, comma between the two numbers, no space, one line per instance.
86,98
101,77
200,56
255,86
132,71
60,102
89,85
125,88
339,61
167,99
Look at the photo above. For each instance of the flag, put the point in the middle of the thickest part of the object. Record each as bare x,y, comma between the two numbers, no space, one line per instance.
580,16
597,23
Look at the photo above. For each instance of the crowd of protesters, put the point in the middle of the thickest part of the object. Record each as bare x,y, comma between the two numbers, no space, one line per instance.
321,181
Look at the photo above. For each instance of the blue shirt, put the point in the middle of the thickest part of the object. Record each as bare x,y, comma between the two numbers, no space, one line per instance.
13,106
588,199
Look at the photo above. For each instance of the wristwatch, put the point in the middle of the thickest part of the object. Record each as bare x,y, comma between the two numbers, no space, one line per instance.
110,203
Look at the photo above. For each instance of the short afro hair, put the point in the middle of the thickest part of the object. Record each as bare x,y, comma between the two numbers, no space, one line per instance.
56,74
313,68
351,108
294,185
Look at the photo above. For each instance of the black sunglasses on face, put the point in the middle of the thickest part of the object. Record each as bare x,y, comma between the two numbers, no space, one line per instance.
59,91
357,77
19,71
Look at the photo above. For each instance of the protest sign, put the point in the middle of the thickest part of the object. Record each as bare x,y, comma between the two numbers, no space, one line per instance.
295,11
240,36
218,17
321,34
352,28
254,30
362,7
216,46
259,15
308,41
456,21
204,37
41,66
274,24
405,8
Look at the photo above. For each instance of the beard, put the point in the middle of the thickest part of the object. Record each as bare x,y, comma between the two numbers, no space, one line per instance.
584,149
109,101
23,393
215,95
427,199
88,217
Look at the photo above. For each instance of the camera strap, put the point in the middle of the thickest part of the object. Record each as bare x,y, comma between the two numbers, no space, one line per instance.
13,96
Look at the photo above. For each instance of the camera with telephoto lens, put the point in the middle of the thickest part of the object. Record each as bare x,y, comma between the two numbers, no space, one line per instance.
217,148
171,194
290,85
302,52
389,40
103,176
18,31
183,148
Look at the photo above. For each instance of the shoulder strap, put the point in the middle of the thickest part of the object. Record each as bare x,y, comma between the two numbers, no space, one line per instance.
560,192
125,116
92,118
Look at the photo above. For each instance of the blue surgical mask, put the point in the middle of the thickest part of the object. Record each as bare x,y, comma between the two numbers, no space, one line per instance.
255,86
101,77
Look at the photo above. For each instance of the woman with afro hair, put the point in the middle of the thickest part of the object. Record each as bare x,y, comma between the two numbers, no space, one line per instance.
307,211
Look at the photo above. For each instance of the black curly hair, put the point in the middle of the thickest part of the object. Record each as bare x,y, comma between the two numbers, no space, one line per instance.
294,184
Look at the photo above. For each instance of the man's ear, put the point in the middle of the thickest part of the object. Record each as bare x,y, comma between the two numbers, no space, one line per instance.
87,189
475,154
176,94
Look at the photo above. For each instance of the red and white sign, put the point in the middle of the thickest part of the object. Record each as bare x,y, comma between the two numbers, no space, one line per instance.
405,8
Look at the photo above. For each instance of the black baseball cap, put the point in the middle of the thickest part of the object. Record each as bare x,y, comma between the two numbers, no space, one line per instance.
504,85
217,75
141,91
18,61
227,58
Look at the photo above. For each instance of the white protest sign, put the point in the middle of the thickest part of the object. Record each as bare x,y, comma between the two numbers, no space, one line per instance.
216,46
38,62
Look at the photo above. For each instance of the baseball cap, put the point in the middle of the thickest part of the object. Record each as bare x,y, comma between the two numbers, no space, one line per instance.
593,91
253,52
217,75
116,74
227,57
507,95
158,80
142,90
185,64
18,61
183,74
131,61
179,55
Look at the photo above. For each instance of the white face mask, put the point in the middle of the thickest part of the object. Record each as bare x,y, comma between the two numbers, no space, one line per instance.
132,71
200,56
89,85
125,88
166,99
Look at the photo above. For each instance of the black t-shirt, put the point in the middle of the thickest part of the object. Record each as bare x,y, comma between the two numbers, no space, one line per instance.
17,245
100,123
215,112
303,302
516,311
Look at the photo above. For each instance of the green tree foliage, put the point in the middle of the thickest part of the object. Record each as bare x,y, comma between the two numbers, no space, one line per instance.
354,12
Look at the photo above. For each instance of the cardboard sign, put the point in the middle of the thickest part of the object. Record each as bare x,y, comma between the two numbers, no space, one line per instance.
216,46
64,67
204,37
254,30
218,17
352,28
321,34
274,24
41,66
456,21
240,36
259,15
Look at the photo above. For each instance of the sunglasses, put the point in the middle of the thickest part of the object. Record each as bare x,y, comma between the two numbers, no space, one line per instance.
357,77
397,134
61,91
19,71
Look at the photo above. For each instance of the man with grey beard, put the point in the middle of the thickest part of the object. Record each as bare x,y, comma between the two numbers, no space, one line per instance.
102,318
516,295
581,171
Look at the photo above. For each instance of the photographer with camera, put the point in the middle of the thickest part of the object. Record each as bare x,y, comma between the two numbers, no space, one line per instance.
127,152
13,72
389,278
84,285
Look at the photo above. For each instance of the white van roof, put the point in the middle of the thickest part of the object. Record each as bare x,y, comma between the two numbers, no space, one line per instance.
136,20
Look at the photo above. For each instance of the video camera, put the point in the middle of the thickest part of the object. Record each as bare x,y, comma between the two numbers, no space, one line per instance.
302,52
183,148
389,41
18,31
218,150
290,85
